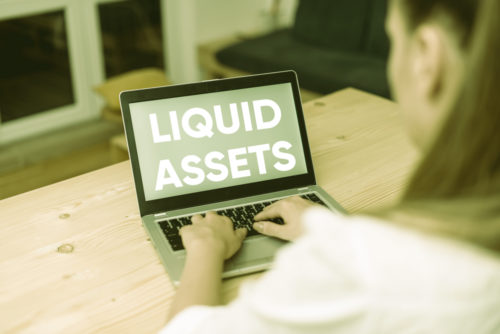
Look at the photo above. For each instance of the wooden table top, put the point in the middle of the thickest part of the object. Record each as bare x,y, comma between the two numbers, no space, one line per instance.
74,257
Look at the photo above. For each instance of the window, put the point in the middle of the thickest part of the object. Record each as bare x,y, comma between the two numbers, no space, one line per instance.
131,35
36,73
55,51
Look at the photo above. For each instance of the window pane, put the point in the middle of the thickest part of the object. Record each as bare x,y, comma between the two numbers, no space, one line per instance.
131,35
35,73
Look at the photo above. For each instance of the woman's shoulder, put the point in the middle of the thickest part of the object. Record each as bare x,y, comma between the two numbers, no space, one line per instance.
385,255
364,269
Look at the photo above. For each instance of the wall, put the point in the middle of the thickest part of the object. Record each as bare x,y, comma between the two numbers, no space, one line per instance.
191,22
219,18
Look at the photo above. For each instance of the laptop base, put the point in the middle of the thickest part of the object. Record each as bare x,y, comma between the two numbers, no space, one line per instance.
257,252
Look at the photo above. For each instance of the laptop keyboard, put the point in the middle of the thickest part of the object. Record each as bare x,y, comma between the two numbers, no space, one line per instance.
242,216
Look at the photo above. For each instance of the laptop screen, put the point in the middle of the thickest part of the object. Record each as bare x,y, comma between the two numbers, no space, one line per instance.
196,143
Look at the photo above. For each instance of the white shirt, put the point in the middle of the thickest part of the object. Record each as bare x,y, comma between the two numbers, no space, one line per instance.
360,275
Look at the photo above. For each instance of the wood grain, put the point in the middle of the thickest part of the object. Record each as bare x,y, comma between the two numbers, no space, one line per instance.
361,153
74,257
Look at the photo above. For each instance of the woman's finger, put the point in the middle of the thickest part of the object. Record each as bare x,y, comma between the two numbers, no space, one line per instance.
211,213
271,229
241,233
271,211
235,243
214,216
196,219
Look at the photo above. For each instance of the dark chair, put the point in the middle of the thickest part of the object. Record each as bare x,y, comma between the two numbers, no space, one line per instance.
333,44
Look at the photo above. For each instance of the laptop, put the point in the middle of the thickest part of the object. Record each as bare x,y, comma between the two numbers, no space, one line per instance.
232,146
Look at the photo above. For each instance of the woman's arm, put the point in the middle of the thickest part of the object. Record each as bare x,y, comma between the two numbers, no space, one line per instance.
208,242
211,239
200,282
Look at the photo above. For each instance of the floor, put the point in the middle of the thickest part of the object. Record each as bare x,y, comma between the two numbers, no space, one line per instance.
54,170
59,155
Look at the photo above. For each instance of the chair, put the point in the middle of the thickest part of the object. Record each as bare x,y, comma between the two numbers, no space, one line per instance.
333,44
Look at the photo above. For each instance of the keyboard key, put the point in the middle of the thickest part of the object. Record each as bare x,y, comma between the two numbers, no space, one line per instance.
164,224
176,223
259,207
252,232
176,242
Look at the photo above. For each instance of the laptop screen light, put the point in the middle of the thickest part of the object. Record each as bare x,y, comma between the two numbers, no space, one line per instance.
214,140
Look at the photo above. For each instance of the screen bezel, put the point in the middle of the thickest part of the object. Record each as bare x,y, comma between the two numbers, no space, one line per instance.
221,194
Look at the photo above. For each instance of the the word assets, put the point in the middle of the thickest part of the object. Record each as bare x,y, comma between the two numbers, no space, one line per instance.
217,166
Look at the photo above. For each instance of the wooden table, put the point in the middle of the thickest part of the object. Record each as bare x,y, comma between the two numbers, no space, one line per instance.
74,257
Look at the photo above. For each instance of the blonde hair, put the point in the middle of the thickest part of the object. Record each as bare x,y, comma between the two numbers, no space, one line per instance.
455,190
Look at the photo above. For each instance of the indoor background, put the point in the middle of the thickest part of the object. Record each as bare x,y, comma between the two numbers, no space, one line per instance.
63,63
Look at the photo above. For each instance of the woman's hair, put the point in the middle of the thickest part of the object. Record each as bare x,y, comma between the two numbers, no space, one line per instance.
463,13
458,178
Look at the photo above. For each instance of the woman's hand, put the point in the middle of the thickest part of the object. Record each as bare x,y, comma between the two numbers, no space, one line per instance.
290,209
212,233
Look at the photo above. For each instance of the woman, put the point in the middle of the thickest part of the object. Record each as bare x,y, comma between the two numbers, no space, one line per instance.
429,265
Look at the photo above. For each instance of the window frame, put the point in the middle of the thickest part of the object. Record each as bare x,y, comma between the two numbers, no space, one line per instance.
85,59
